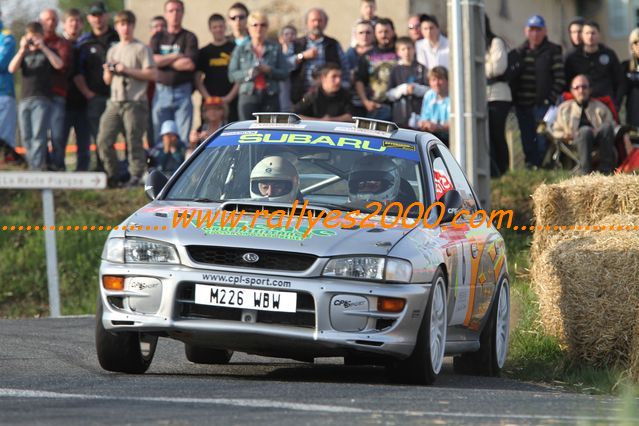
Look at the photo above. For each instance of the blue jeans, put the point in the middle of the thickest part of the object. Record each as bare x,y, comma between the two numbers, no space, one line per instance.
259,101
34,123
534,144
77,118
8,118
382,113
58,141
95,108
173,103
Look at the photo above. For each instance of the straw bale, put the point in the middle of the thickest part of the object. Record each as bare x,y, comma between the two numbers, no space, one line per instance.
584,200
587,283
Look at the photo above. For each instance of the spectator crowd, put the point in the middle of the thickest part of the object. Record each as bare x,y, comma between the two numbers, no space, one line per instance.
106,82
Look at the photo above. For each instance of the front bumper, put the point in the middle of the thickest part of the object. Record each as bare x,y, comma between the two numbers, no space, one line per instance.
333,318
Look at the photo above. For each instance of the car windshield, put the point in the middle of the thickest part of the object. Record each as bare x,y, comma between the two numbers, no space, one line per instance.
331,169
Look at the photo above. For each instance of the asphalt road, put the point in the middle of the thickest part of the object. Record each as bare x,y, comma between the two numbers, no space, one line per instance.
49,374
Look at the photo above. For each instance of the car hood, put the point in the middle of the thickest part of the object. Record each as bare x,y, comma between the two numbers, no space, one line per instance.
161,221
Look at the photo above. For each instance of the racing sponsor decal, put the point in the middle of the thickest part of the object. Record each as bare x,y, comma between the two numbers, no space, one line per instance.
246,229
331,140
246,281
442,184
399,145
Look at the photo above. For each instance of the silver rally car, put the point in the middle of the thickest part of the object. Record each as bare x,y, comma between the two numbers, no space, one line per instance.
302,239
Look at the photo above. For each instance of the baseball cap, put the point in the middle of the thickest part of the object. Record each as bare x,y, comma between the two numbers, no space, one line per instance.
97,8
169,126
536,21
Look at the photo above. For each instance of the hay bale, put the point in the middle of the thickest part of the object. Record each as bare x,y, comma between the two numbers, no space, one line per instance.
587,283
582,201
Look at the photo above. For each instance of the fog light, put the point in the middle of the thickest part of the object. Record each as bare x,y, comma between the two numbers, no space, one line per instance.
390,304
113,282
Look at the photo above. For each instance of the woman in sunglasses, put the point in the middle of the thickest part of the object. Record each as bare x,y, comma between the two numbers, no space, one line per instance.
258,66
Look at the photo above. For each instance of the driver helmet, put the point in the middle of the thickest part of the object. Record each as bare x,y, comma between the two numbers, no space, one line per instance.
373,178
275,179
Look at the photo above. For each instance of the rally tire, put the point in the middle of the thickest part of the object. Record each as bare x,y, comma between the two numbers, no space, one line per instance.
491,356
123,352
203,355
425,363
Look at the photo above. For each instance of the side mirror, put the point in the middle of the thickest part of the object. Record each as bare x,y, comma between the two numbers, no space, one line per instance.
453,203
154,184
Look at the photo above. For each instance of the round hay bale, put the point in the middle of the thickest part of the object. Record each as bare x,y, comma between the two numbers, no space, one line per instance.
584,201
587,283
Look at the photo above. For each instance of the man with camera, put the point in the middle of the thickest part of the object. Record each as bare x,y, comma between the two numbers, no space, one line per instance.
128,70
37,62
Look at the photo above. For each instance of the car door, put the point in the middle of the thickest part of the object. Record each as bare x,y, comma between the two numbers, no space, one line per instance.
456,247
479,249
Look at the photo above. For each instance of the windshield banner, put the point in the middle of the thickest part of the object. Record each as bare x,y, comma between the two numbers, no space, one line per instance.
361,143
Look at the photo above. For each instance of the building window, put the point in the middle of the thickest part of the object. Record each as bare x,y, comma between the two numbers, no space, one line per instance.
618,18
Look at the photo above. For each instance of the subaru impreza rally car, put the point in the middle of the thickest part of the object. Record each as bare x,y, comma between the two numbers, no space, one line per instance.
400,285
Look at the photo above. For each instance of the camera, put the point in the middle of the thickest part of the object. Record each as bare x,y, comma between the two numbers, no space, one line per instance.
30,42
254,71
111,67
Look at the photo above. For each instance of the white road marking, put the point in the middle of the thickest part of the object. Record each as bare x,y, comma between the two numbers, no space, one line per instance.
265,403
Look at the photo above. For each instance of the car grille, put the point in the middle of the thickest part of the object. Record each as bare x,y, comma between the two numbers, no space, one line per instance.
268,259
186,308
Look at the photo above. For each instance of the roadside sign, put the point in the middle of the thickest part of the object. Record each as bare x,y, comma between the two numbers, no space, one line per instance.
52,180
47,182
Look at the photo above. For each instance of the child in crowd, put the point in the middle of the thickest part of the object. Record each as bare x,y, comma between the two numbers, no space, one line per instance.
435,113
170,155
407,82
214,116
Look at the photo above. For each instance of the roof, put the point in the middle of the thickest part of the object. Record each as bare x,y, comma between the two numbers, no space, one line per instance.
297,124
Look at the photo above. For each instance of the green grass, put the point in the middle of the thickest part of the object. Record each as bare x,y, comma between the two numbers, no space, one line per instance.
533,355
24,292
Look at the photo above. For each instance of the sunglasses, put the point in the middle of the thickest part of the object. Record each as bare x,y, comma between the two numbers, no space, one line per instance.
635,42
259,24
581,86
237,17
412,27
364,32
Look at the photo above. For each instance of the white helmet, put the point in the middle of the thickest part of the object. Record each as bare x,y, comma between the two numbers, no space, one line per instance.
276,171
373,178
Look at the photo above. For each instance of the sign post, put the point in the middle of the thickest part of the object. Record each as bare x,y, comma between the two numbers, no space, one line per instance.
47,182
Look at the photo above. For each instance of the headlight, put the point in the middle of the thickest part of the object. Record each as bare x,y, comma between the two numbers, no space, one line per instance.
114,250
369,268
132,250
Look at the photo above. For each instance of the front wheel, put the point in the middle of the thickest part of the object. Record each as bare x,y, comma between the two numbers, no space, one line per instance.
491,356
123,352
425,363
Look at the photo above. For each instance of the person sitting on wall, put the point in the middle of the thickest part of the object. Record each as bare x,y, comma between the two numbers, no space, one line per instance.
329,101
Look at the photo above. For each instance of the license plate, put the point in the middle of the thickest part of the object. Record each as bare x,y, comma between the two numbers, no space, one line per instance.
244,298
